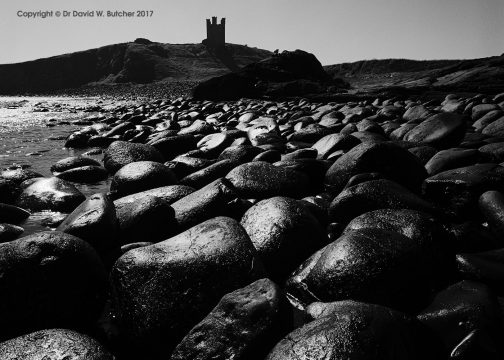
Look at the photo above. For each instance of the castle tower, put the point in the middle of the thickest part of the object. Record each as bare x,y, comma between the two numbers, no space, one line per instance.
216,32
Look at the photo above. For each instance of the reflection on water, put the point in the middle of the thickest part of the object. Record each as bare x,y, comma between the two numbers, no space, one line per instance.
33,132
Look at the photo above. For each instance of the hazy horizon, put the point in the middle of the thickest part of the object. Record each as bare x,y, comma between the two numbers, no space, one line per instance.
335,31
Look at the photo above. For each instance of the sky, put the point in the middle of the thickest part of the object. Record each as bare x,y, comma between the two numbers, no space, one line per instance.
335,31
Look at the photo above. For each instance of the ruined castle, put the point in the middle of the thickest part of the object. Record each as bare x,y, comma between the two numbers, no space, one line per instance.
216,32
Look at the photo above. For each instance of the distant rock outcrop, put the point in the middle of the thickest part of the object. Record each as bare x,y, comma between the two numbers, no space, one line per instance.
476,75
141,62
290,73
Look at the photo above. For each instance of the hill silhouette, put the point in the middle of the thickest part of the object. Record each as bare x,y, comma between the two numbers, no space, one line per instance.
138,62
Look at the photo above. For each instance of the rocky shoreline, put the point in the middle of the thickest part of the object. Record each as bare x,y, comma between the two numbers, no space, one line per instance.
264,229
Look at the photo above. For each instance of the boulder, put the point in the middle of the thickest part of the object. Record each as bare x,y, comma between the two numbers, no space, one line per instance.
95,222
121,153
373,195
244,325
451,159
355,330
369,264
49,194
261,180
443,130
9,232
144,218
284,233
53,280
140,176
458,311
53,344
163,290
84,174
73,162
387,158
458,190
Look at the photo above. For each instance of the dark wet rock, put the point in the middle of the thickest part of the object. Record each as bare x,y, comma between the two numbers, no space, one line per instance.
163,290
261,180
400,132
462,308
393,276
12,214
77,140
368,137
451,159
215,199
140,176
240,153
495,128
121,153
423,153
491,204
54,344
270,156
334,142
184,165
213,144
84,174
101,141
9,191
95,222
310,134
120,129
9,232
485,267
361,178
144,217
197,127
73,162
245,324
458,190
202,177
49,194
443,130
284,232
131,246
54,280
306,153
170,194
480,110
17,176
487,119
374,195
314,169
355,330
472,237
423,228
392,161
172,146
493,152
416,114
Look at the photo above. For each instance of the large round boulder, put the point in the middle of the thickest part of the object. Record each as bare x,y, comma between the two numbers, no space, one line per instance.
50,279
121,153
244,325
354,330
284,232
95,222
387,158
161,291
53,344
139,176
261,180
371,265
49,194
443,130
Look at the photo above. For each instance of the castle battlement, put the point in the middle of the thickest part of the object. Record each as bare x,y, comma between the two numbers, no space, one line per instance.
216,32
